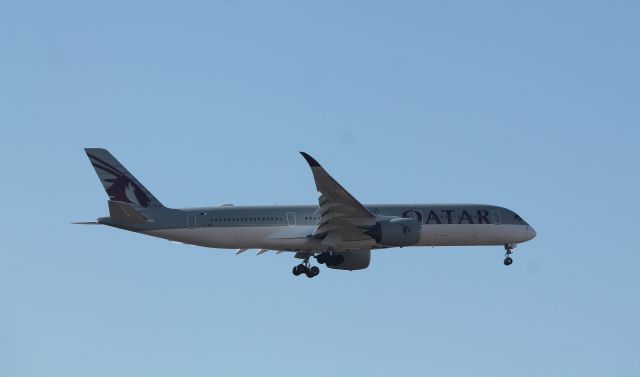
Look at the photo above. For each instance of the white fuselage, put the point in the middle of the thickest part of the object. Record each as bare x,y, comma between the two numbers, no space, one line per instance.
293,237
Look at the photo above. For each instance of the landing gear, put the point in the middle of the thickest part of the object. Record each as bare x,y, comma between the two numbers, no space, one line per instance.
507,253
299,269
306,268
313,271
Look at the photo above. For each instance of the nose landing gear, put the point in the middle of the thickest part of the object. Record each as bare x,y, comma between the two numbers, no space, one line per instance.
507,254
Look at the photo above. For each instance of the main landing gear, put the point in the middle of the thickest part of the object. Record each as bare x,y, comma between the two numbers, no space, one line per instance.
507,253
306,268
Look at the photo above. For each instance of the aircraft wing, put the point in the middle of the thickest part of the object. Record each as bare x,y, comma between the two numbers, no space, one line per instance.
341,216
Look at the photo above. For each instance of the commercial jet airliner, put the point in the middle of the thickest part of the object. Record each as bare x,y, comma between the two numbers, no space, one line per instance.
339,232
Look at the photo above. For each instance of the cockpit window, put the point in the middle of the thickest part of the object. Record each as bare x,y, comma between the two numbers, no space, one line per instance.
517,217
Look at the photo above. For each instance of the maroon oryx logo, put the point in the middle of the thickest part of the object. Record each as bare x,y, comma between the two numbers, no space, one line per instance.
121,188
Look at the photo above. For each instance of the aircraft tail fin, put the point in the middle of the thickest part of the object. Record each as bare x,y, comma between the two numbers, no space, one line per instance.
120,185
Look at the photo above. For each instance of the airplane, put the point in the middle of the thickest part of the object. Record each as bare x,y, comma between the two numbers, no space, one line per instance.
339,232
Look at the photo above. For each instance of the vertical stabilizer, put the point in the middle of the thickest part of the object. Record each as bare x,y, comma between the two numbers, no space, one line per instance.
120,185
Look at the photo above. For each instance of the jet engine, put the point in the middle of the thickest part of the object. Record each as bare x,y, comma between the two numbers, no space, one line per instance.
396,232
347,260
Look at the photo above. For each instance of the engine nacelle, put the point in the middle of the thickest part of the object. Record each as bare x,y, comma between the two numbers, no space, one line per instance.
349,260
396,232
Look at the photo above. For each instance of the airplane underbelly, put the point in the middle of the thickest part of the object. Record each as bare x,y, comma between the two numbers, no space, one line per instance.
472,234
269,237
447,235
294,237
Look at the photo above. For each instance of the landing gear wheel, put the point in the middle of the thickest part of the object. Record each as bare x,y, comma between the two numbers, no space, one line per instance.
508,261
300,269
312,272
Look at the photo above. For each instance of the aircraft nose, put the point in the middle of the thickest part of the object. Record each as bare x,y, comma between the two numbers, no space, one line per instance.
532,232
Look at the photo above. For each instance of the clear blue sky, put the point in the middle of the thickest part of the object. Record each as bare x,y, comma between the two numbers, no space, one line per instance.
530,105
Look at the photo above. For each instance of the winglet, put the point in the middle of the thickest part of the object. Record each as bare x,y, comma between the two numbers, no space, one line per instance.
310,160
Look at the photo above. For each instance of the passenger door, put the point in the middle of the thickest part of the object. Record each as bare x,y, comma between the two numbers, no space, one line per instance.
291,218
191,220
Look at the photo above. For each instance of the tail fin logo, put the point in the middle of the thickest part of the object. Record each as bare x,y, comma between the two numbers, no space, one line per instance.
119,186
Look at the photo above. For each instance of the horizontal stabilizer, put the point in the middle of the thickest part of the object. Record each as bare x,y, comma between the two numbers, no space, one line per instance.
86,223
125,213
